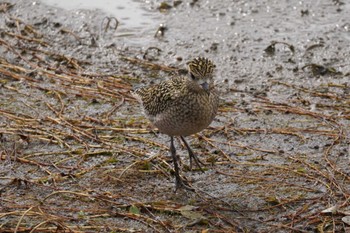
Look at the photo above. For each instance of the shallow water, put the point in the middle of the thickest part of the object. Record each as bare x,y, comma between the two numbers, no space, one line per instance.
129,13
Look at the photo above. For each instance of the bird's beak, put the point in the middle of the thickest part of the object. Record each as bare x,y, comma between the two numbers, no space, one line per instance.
205,86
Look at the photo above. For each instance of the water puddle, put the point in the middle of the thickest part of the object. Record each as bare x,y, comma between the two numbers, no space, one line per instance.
129,13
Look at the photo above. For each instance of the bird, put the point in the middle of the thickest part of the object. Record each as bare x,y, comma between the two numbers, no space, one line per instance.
182,106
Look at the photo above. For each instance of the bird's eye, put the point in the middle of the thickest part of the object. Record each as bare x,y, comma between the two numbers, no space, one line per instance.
193,77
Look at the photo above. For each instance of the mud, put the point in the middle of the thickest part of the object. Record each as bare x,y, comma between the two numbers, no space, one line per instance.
78,155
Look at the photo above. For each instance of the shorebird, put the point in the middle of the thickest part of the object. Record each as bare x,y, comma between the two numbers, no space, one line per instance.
182,106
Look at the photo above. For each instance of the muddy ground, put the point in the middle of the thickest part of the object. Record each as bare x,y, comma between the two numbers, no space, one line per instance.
77,155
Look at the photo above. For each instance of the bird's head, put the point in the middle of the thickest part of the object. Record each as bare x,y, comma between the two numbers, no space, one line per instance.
201,71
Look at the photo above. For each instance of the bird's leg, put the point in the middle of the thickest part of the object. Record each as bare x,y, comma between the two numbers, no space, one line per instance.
179,182
192,155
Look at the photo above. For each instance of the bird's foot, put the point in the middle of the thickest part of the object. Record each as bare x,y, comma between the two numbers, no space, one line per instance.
179,181
182,183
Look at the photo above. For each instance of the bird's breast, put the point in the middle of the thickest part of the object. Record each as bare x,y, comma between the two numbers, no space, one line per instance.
187,115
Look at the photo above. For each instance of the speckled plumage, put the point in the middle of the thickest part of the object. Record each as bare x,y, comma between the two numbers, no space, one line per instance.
182,106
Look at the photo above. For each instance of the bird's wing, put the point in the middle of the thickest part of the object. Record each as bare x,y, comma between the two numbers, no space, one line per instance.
157,98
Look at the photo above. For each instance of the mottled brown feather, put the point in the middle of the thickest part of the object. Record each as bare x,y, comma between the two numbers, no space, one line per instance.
182,106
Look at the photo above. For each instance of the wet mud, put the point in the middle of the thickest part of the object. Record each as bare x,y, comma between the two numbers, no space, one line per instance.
77,155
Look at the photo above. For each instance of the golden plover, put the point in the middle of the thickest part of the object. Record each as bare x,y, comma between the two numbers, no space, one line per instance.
182,106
